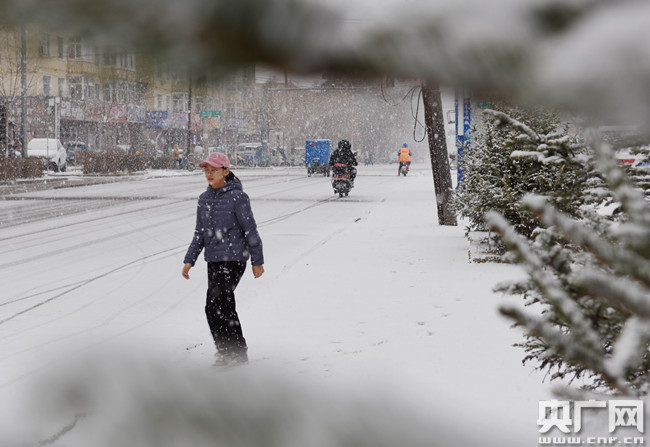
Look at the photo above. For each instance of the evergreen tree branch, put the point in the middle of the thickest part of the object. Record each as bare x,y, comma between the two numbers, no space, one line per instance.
632,201
565,346
621,293
518,125
549,286
630,349
616,257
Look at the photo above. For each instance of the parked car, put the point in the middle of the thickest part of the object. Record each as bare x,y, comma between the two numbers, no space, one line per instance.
50,150
75,150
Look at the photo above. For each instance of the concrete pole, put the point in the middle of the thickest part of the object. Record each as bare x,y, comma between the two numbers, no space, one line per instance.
434,120
23,84
189,116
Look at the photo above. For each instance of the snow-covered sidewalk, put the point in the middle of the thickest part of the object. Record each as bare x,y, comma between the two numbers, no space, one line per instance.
391,299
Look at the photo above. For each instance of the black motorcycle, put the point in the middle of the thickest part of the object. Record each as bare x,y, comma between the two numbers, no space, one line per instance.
341,179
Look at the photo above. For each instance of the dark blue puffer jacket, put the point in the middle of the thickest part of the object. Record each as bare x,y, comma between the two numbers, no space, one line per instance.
225,227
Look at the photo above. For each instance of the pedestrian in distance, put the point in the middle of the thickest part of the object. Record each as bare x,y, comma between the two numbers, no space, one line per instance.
227,233
176,157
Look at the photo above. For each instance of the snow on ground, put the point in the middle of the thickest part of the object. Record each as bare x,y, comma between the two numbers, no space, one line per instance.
364,296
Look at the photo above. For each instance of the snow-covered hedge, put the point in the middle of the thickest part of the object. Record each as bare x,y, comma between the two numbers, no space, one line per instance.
13,168
520,152
110,162
594,289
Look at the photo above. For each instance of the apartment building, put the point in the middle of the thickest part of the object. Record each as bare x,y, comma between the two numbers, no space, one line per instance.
111,97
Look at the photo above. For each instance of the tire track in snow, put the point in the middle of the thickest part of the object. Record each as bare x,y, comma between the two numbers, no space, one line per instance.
94,344
78,284
305,253
86,282
330,236
85,244
71,231
40,232
118,201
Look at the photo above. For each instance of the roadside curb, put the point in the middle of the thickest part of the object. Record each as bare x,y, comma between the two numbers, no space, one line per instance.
70,181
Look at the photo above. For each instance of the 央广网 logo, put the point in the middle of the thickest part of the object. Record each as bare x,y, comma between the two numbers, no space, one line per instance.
567,417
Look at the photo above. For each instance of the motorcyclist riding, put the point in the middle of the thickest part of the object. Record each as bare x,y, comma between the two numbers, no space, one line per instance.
343,154
404,158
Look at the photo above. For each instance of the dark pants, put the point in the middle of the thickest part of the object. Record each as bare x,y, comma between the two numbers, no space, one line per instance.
223,320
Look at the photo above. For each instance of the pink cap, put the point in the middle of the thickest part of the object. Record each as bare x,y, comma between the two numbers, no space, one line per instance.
217,160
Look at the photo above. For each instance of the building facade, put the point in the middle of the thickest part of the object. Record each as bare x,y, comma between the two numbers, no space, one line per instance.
109,97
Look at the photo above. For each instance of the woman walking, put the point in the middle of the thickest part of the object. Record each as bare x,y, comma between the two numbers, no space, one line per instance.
226,230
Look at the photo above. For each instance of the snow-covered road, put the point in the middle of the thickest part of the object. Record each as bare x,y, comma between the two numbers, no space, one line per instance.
361,290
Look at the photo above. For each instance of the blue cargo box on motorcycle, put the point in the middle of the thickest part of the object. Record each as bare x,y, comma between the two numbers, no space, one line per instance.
317,156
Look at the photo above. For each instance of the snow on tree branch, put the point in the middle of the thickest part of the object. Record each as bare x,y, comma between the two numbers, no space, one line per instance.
619,258
505,119
629,349
547,283
564,345
622,293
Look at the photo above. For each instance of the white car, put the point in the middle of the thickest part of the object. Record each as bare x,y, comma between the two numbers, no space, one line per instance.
50,150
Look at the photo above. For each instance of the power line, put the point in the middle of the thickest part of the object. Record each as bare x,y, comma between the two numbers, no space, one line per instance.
416,121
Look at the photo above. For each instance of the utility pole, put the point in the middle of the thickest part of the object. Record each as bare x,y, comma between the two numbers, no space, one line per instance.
265,116
23,84
434,120
189,116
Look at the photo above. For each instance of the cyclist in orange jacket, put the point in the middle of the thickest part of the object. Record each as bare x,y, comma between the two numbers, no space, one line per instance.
404,158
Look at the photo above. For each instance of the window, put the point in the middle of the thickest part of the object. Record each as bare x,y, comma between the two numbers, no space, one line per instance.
125,92
162,71
115,57
76,90
179,102
89,90
167,102
79,49
47,85
127,60
74,48
110,58
109,92
159,104
122,93
44,49
61,86
59,44
199,104
83,87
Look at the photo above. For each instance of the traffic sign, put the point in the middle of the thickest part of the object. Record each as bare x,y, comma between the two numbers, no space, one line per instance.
210,113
